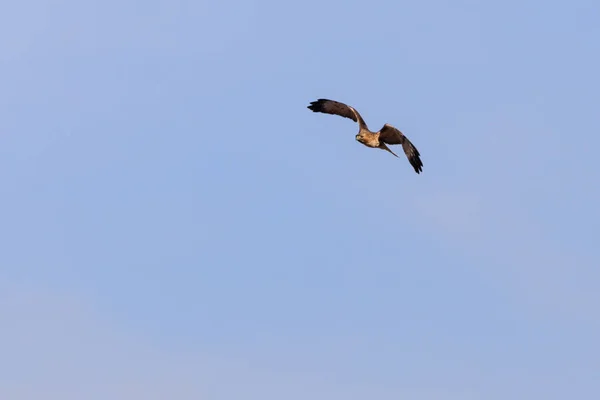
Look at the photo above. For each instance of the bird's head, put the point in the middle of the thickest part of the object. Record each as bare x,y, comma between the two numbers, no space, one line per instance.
359,137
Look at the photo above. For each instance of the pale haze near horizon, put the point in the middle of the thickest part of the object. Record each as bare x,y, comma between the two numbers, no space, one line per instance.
177,224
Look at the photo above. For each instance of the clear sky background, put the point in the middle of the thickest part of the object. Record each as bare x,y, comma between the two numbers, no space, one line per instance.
175,223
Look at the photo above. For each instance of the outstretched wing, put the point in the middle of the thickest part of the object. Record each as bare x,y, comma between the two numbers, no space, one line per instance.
390,135
336,108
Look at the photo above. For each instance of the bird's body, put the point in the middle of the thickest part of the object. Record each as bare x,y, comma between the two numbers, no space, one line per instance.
379,140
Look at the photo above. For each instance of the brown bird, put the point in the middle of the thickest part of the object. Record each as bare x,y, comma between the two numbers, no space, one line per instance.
386,135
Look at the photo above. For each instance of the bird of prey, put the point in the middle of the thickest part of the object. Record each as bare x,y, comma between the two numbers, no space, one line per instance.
386,135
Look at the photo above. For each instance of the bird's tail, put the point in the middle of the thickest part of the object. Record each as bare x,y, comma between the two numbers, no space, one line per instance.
384,147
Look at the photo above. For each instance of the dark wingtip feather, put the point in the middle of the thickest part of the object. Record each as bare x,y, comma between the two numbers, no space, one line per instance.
313,106
417,164
317,106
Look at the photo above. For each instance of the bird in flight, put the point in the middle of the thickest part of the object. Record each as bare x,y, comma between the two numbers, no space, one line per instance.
386,135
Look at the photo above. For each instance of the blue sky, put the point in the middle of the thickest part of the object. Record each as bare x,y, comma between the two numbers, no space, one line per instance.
176,223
